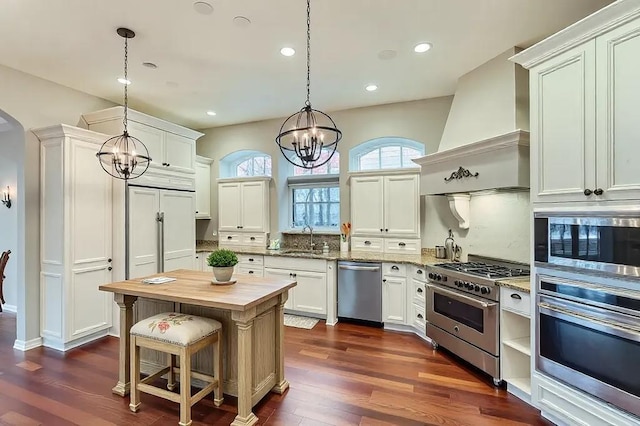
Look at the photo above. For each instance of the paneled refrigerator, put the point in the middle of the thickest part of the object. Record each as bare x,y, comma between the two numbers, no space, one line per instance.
161,230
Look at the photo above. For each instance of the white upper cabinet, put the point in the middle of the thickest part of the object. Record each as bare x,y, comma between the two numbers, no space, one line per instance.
243,204
203,187
563,122
584,121
385,205
367,205
171,147
618,122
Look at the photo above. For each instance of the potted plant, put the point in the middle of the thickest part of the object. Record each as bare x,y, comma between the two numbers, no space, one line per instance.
222,261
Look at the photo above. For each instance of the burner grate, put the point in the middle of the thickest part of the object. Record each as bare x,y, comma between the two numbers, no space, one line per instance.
485,270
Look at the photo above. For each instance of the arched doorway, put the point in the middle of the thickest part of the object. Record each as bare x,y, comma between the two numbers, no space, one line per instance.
12,220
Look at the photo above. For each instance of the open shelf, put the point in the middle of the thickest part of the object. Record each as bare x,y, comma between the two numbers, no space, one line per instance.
522,345
522,383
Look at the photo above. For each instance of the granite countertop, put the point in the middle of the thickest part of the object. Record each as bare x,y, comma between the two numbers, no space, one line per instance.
520,283
412,259
421,260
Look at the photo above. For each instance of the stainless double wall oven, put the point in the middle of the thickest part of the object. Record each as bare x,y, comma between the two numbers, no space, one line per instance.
588,303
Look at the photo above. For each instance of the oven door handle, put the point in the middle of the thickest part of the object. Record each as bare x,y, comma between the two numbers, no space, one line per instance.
462,297
590,321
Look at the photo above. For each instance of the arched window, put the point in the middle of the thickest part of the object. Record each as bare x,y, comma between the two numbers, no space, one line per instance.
314,195
245,163
385,153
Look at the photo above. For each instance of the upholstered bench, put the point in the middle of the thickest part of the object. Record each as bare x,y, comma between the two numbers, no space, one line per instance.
178,335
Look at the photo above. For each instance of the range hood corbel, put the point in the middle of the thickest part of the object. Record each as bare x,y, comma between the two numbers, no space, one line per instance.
460,207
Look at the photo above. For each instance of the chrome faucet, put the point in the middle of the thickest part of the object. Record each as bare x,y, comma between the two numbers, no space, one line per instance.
312,245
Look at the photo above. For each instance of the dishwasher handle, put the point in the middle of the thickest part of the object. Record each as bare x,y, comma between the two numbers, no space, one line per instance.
359,268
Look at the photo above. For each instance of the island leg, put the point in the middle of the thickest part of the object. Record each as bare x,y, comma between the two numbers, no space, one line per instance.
244,323
124,364
281,383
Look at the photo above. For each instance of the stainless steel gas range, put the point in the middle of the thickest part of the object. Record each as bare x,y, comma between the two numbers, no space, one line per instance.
463,310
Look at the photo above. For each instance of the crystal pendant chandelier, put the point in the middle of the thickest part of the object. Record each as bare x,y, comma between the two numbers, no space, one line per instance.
309,133
124,156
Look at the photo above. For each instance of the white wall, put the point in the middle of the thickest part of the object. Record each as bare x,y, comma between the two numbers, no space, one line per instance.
422,121
499,225
34,103
491,100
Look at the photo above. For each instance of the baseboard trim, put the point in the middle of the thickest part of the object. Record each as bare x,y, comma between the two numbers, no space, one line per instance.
10,308
22,345
59,345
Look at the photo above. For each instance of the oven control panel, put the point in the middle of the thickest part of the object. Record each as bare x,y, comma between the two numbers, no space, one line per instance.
476,288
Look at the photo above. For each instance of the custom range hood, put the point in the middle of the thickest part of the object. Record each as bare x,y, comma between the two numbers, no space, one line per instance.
483,146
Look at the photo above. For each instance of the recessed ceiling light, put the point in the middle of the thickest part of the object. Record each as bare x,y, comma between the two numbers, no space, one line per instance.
288,51
371,88
150,65
123,80
211,113
422,47
203,7
241,21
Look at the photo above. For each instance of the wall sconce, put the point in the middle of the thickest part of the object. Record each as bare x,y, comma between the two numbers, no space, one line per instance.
6,198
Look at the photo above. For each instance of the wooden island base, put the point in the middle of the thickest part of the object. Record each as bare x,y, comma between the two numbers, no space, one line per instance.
252,316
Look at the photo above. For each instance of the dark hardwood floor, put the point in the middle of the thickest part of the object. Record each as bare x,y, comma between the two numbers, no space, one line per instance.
343,375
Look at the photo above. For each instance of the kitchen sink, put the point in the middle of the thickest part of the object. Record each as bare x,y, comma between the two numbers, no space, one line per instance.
300,251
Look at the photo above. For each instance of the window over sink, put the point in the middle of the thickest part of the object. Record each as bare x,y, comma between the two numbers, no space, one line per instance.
314,195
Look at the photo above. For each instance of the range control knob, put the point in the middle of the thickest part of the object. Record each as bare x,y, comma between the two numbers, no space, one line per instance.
431,275
438,277
476,287
468,285
485,290
457,283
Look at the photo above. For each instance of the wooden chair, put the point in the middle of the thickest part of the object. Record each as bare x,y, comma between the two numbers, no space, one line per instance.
178,335
4,258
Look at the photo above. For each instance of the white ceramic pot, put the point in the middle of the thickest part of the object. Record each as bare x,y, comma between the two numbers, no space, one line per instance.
223,274
344,246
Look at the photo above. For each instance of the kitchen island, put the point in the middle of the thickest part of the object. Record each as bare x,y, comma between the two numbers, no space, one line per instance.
251,313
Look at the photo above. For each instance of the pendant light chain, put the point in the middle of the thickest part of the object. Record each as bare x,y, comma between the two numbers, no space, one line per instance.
308,102
126,78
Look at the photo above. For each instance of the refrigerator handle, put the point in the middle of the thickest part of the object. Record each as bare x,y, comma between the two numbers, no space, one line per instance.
160,219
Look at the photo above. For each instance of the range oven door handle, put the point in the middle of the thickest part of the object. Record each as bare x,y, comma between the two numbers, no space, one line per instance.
461,297
590,321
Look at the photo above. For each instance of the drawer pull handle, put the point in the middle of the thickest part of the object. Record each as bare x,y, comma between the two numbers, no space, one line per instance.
252,238
419,272
420,290
229,237
420,316
367,243
395,268
251,259
516,296
251,272
402,244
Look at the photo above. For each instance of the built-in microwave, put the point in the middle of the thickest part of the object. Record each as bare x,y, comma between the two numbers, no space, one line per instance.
608,242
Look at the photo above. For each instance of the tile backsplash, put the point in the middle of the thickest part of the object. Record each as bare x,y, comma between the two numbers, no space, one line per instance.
303,241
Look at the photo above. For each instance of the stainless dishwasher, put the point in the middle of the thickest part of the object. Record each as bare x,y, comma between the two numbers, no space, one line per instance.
360,291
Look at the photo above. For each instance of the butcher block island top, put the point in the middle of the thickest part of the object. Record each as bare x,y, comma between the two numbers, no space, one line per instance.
195,288
252,315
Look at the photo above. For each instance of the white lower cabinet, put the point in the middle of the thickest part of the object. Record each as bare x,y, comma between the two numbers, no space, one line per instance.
567,406
201,261
515,338
249,264
314,289
394,293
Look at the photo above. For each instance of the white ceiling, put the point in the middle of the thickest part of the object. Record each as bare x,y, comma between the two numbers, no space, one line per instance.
238,71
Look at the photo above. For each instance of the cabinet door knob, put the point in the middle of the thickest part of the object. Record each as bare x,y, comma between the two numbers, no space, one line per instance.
386,230
420,290
109,268
588,192
381,230
419,271
420,316
384,280
196,211
109,260
598,191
